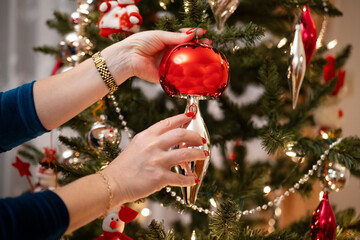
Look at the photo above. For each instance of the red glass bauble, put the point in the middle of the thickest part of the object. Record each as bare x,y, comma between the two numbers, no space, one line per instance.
194,69
308,34
323,223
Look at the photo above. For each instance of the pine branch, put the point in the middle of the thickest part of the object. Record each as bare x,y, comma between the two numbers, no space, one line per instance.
300,114
155,231
224,225
274,139
31,153
48,50
342,57
77,144
168,24
61,23
315,5
347,153
248,35
271,101
193,12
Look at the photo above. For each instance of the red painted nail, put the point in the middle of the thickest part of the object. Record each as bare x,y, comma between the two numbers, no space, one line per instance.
203,140
190,31
206,153
197,180
190,114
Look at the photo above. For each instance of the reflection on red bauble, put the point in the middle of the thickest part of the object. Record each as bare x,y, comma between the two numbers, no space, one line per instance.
323,223
194,69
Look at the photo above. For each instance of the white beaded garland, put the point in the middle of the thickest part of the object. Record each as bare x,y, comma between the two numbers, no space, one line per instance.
302,180
277,200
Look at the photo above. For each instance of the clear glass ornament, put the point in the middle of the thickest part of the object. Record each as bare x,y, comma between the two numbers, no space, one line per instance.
222,10
297,67
198,167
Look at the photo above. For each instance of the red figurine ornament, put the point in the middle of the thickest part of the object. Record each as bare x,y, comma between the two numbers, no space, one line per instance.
121,16
323,223
114,224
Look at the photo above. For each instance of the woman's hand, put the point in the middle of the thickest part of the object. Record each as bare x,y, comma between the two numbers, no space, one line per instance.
142,52
144,167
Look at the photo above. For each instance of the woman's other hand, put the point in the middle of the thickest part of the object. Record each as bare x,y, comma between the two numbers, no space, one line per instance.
144,167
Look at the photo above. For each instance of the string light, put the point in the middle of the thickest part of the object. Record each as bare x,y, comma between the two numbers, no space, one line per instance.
278,212
212,202
332,44
282,43
186,6
291,154
145,212
193,235
267,189
163,5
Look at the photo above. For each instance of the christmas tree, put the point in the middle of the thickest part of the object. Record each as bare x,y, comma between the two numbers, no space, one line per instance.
269,45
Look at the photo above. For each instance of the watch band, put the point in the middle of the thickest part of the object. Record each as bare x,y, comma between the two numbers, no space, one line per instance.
100,64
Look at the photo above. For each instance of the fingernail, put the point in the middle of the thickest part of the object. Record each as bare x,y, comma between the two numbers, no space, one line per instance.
206,153
203,140
190,114
190,31
197,180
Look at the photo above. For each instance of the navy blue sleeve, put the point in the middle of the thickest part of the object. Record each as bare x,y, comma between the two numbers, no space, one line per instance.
33,216
18,119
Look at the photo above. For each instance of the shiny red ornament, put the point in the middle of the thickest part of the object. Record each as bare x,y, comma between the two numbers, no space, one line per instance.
308,34
323,223
194,69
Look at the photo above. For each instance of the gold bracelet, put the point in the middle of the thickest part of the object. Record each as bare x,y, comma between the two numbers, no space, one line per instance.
111,195
101,66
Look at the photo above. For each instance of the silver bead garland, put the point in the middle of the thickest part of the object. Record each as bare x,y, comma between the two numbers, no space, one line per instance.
277,200
264,207
121,117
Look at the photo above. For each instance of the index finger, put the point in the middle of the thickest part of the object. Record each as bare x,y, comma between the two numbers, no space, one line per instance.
170,123
200,31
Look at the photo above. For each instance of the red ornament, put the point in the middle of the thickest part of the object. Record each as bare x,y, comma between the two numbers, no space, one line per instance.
308,34
23,167
341,113
323,223
329,68
232,156
50,155
194,69
330,73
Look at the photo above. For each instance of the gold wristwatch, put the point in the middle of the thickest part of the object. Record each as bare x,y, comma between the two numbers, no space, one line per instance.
100,64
